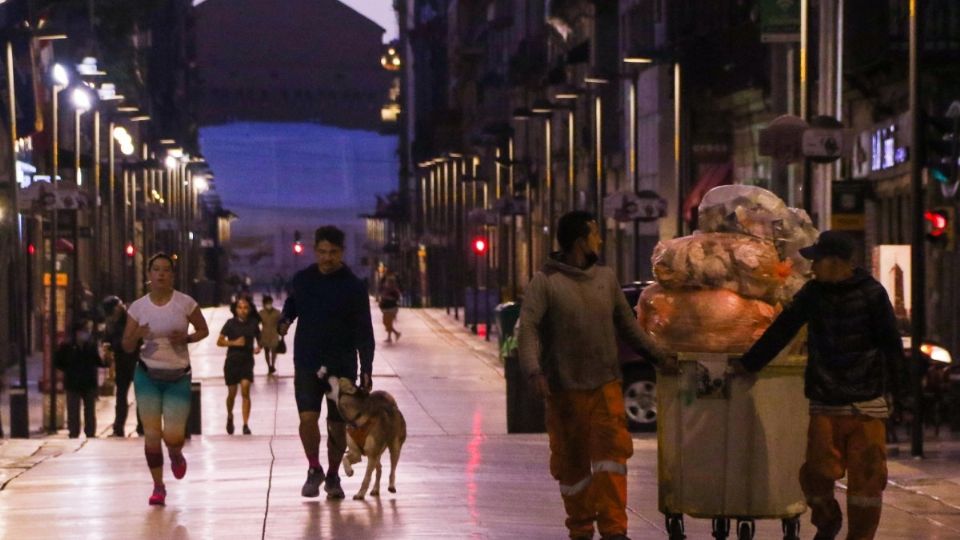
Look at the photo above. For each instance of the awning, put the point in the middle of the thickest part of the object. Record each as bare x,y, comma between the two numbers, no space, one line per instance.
713,175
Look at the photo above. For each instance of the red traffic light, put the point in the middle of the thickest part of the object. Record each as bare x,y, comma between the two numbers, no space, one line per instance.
31,249
130,251
937,224
479,245
298,248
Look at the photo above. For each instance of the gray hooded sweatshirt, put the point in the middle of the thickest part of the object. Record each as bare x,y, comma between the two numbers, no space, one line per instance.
569,323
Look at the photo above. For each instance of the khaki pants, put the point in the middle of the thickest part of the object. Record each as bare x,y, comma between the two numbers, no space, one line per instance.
851,445
589,447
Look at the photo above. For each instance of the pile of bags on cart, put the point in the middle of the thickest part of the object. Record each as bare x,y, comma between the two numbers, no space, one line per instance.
718,289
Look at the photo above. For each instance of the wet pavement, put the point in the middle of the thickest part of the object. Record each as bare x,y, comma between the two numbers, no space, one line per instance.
460,475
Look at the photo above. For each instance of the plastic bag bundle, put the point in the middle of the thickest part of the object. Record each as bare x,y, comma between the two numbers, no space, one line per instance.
743,264
714,320
754,211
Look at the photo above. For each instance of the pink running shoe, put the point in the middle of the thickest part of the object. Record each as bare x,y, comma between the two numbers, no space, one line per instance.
178,464
159,497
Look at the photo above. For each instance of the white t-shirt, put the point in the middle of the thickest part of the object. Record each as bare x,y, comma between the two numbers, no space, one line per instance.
157,351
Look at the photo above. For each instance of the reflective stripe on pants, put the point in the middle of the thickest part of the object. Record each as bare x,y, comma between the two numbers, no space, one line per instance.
851,445
589,448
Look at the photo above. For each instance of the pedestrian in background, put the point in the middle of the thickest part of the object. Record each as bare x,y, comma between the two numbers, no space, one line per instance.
573,311
80,362
124,363
388,299
269,337
239,335
855,357
161,319
334,330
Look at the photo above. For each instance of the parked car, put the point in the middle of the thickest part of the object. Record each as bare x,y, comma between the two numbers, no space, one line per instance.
639,375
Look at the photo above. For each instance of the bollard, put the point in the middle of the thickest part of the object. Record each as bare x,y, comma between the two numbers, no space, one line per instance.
19,413
193,421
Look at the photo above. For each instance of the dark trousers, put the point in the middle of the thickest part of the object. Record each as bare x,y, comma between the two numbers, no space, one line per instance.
89,398
123,382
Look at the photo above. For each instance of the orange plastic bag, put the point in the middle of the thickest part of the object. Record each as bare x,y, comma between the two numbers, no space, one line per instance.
716,321
743,264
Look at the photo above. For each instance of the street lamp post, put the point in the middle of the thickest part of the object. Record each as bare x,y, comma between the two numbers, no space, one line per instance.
82,102
545,109
61,79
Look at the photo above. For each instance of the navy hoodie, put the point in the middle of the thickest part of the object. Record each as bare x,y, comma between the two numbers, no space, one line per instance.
334,322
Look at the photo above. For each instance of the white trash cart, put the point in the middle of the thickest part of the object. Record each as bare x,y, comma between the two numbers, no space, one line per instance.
730,448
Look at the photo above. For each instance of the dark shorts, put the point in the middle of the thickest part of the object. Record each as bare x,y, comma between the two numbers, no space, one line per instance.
309,391
235,371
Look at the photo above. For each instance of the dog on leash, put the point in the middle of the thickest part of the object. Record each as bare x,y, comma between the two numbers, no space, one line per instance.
374,424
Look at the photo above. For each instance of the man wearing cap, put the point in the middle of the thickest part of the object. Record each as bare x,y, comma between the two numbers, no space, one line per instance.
855,360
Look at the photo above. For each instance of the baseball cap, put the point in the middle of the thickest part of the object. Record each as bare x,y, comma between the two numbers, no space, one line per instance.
829,244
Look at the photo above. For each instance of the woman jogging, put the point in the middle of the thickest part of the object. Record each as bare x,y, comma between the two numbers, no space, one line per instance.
162,319
389,302
238,335
269,338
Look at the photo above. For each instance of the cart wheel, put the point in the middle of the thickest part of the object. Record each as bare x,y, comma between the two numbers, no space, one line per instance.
721,528
745,529
675,527
791,529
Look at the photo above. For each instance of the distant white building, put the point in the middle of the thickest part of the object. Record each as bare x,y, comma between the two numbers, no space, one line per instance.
282,178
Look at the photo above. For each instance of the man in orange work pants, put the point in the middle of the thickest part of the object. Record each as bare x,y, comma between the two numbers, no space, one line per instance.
573,310
589,448
855,358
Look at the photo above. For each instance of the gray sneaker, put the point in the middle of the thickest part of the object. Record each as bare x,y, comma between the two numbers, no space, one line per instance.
332,487
315,477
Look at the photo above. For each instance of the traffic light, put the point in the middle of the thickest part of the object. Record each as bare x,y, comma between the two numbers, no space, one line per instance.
940,148
130,250
479,245
297,243
940,226
31,249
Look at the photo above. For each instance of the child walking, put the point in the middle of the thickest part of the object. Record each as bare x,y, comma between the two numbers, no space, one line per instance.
269,338
238,335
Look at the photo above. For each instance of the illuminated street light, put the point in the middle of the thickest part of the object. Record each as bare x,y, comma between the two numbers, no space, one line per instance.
82,99
60,75
171,162
200,183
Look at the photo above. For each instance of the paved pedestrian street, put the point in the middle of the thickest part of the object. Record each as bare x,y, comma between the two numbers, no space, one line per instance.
460,475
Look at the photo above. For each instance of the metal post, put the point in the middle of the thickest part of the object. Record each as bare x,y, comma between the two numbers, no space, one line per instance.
19,415
77,178
677,157
548,160
918,271
52,338
805,101
97,251
111,205
488,274
571,166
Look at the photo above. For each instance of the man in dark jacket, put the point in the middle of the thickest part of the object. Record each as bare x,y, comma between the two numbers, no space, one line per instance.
333,308
124,363
855,360
79,361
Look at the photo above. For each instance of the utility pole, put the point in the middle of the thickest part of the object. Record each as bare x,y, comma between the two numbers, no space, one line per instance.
10,217
918,267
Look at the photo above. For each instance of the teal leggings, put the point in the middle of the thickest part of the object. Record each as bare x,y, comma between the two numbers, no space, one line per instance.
164,408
